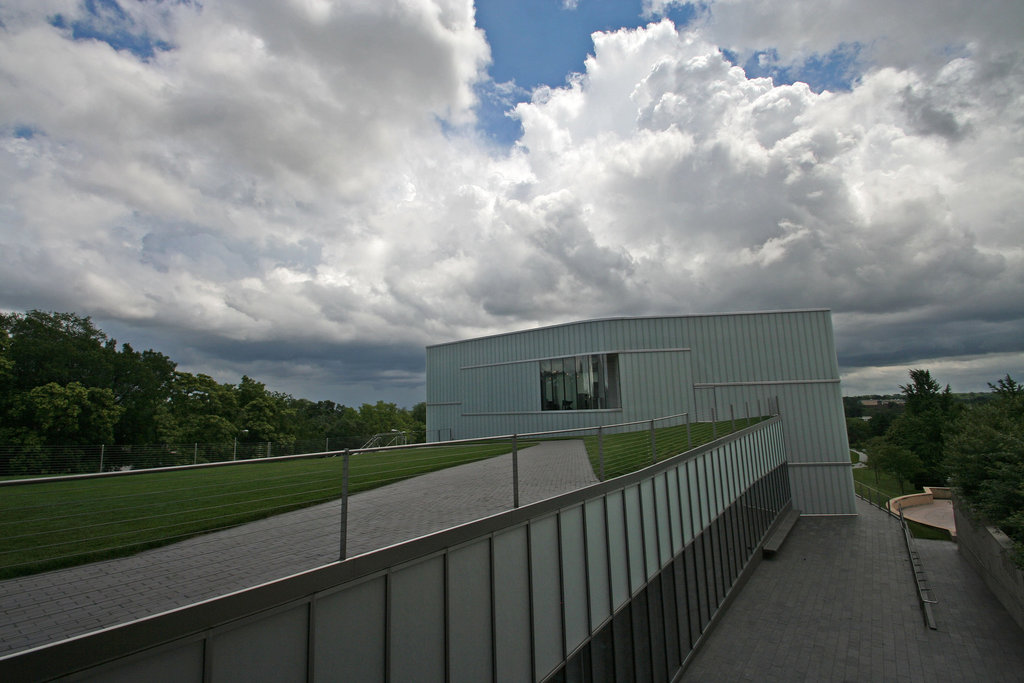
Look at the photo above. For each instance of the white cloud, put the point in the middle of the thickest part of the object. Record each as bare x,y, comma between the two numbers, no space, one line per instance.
301,180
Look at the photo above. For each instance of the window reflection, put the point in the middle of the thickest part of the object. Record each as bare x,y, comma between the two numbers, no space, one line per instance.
580,382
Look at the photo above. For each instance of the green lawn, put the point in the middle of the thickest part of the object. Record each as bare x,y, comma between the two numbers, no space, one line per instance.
625,453
58,524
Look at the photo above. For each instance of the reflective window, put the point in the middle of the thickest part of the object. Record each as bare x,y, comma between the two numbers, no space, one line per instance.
580,382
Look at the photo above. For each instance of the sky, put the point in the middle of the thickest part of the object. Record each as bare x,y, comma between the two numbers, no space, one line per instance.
310,192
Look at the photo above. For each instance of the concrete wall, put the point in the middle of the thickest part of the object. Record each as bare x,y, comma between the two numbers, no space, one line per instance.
988,551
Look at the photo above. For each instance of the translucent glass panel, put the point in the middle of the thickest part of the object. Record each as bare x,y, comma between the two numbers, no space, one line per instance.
512,604
273,648
352,649
417,623
547,595
469,612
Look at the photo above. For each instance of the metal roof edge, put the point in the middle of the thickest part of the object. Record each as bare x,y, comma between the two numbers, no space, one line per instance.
632,317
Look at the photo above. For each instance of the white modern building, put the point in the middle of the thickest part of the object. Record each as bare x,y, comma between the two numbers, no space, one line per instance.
602,372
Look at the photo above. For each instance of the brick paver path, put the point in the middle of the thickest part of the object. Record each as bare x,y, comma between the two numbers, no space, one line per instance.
44,608
838,603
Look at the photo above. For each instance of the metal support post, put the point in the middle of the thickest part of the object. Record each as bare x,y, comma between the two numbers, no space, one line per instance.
195,453
746,413
689,440
732,418
102,447
714,424
515,471
344,504
654,452
600,451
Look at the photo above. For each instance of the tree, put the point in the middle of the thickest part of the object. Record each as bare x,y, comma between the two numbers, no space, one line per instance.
929,409
985,456
72,414
857,430
199,410
886,456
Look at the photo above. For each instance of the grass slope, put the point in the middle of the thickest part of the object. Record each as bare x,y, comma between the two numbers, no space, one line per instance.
59,524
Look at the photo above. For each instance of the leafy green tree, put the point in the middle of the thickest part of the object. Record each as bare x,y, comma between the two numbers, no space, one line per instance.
199,410
142,383
929,409
886,456
72,414
985,456
857,430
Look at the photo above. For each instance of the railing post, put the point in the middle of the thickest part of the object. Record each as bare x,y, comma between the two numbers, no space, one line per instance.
101,457
759,414
714,424
344,505
689,440
515,471
654,452
600,452
746,413
732,418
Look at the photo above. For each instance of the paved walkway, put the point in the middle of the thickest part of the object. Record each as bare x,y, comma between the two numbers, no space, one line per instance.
938,513
44,608
838,603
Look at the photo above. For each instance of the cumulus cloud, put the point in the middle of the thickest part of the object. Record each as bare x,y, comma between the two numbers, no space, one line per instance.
297,190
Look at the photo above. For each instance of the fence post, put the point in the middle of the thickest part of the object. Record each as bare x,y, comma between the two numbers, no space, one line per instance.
268,449
344,504
234,450
714,424
746,413
732,418
654,453
689,441
327,443
101,457
195,453
515,471
600,452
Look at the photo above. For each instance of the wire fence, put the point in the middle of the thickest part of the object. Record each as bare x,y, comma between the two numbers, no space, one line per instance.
53,522
27,461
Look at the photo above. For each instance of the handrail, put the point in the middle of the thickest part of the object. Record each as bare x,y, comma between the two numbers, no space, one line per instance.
918,569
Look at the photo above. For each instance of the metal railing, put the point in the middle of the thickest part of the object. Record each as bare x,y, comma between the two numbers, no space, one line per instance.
113,518
881,500
569,584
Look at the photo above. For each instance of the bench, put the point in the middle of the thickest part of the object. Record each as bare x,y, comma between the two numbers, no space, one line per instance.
778,535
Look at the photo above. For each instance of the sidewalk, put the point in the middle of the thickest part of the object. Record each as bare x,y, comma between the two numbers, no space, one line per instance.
44,608
838,603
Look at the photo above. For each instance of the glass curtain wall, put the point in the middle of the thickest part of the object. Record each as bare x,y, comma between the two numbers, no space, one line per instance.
580,382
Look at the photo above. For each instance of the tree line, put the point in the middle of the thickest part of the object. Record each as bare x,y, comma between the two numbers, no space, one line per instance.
64,382
977,446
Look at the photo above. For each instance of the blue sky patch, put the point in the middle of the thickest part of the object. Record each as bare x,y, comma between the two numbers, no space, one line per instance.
836,71
542,42
106,21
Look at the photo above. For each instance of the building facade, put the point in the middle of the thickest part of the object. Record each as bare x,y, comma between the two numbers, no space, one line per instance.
602,372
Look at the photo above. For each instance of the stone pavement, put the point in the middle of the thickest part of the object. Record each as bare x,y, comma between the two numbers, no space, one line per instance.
44,608
838,603
938,514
